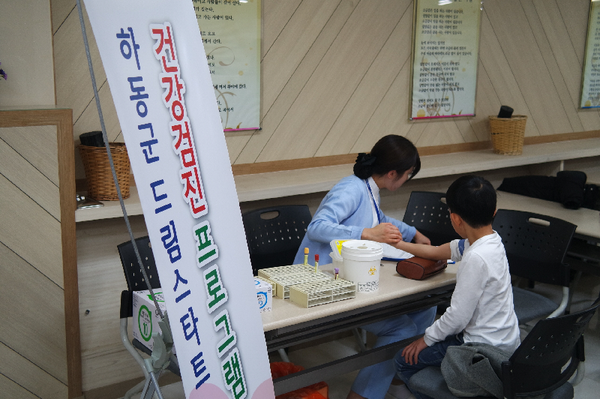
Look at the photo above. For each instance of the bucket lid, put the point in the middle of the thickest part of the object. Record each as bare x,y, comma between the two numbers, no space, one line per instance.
362,250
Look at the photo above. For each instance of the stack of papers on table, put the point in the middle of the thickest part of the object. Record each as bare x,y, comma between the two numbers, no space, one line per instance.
394,254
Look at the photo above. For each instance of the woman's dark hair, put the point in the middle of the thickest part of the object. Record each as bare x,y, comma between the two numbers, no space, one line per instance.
391,152
473,198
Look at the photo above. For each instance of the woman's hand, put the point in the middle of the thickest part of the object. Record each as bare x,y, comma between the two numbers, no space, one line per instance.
383,232
421,239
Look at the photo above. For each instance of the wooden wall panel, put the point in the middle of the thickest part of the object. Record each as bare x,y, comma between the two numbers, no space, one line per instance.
272,116
291,45
511,23
13,390
39,335
574,15
488,103
324,92
36,144
278,14
60,11
566,43
390,116
104,358
28,377
89,120
502,78
371,89
333,81
36,238
42,309
73,83
34,184
33,332
559,57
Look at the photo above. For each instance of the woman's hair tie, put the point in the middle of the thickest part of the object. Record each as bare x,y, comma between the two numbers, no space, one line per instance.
363,166
365,159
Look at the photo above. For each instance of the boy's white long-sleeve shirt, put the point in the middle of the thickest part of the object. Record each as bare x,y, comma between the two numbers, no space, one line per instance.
482,303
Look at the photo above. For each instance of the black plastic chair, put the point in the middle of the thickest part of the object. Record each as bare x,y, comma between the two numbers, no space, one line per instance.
542,365
536,246
136,282
428,212
133,275
274,234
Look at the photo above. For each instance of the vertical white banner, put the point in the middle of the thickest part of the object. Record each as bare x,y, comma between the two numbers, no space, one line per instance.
156,67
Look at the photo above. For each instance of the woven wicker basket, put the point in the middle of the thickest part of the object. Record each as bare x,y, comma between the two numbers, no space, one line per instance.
508,134
100,183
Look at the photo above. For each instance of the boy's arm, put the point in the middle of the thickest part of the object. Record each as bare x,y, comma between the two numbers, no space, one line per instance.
426,251
419,238
411,352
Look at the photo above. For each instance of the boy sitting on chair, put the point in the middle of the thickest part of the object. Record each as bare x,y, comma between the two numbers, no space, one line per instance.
481,309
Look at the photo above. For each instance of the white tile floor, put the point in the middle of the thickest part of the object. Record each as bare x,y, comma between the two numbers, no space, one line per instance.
587,290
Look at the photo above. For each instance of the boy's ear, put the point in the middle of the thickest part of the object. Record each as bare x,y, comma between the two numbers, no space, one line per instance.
457,220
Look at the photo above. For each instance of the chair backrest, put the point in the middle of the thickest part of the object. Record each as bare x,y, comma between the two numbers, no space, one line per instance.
428,212
548,356
133,274
536,245
274,234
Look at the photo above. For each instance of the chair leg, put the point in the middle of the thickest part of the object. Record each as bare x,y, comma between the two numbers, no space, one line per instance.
563,304
574,282
361,338
579,374
136,389
138,358
283,355
134,353
151,387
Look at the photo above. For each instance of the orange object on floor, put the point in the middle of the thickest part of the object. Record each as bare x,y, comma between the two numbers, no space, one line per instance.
320,390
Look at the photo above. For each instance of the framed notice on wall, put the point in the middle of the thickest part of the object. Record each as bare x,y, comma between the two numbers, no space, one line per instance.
590,84
231,36
445,58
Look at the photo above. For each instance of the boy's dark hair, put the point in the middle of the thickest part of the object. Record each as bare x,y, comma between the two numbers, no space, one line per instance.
391,152
473,198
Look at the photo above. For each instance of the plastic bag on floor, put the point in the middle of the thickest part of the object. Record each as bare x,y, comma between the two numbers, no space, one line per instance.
320,390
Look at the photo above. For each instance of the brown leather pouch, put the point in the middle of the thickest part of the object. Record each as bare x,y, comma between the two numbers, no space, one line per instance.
419,268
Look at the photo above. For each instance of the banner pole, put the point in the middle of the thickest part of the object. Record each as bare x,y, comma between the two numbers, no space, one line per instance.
110,159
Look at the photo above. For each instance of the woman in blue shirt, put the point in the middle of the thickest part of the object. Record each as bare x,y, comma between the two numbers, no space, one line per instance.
351,211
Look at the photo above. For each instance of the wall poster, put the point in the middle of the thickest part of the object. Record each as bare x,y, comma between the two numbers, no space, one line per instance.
231,36
590,81
445,58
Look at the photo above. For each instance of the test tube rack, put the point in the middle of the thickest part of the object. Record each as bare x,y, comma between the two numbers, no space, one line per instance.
286,276
321,292
284,283
284,270
266,280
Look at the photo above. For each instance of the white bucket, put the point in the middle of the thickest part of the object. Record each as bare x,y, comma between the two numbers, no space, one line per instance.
361,264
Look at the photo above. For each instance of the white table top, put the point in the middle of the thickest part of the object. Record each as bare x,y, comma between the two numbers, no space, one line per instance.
587,220
391,286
